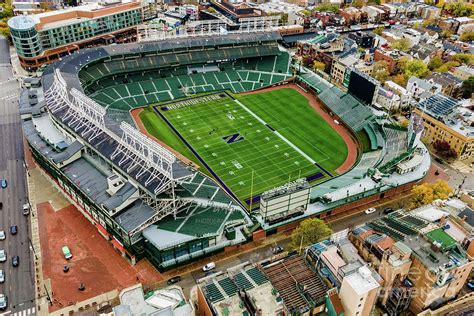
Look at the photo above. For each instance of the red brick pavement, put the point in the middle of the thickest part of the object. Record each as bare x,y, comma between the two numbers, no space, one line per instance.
95,262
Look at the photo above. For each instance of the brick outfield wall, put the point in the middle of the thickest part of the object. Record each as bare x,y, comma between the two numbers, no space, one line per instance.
347,209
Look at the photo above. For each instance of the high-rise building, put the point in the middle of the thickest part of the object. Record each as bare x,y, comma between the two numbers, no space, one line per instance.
43,38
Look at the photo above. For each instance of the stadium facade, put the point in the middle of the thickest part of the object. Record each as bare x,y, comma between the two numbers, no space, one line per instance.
138,194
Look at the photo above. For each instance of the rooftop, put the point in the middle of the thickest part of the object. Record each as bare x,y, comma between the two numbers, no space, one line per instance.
438,235
362,281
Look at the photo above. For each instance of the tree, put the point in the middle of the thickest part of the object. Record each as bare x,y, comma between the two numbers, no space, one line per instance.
416,68
327,7
460,8
467,59
447,66
444,149
435,62
380,71
379,30
468,87
309,231
358,3
402,44
317,65
308,60
467,36
400,80
426,193
446,33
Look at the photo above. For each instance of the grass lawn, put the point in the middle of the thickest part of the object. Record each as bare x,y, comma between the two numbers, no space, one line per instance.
254,143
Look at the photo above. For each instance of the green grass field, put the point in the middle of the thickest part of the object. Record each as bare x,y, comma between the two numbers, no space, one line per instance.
234,139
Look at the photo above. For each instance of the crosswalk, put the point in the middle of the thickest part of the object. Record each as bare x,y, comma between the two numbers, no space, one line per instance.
26,312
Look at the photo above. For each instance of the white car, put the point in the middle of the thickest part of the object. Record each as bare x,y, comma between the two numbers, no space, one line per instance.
209,266
2,235
2,276
370,210
3,255
3,302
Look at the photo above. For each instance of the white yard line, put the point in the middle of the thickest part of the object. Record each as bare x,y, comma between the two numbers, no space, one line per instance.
278,134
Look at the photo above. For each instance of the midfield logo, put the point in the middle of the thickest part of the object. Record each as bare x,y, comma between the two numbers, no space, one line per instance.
229,139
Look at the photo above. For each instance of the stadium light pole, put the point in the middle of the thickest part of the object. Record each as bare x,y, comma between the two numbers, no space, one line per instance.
251,191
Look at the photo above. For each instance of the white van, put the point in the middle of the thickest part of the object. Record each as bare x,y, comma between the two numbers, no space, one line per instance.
209,266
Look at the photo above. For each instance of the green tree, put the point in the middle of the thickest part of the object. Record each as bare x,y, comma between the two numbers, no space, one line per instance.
379,30
358,3
400,80
327,7
447,66
467,36
426,193
435,62
468,87
380,71
460,8
416,68
467,59
309,231
402,44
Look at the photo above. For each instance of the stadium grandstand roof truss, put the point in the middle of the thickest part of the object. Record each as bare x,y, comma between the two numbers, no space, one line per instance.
162,209
138,152
56,96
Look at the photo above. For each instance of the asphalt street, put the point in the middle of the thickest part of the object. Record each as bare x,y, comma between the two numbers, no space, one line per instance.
19,281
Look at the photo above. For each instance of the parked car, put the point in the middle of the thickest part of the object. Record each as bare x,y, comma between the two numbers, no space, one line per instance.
2,276
209,266
3,183
277,249
15,261
26,209
1,205
388,210
174,280
470,284
3,255
14,229
370,210
66,252
2,235
439,160
3,302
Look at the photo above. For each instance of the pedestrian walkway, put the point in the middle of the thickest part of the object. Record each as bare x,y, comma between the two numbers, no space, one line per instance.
25,312
462,167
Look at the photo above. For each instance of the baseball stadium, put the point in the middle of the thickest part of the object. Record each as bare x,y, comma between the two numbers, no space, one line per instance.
177,149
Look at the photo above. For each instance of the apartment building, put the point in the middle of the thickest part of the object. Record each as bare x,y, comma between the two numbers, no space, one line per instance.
43,38
446,120
341,68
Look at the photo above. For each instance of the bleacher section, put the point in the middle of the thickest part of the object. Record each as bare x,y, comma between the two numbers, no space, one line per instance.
257,276
242,281
198,221
396,144
372,132
149,88
213,293
349,109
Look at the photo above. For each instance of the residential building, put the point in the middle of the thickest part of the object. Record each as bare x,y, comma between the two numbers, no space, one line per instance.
43,38
339,263
21,7
340,68
425,268
463,72
405,97
429,12
363,39
387,100
359,292
451,86
412,35
322,43
391,57
374,14
446,121
421,89
236,10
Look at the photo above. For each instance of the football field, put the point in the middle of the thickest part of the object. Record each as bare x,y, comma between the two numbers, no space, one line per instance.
256,142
